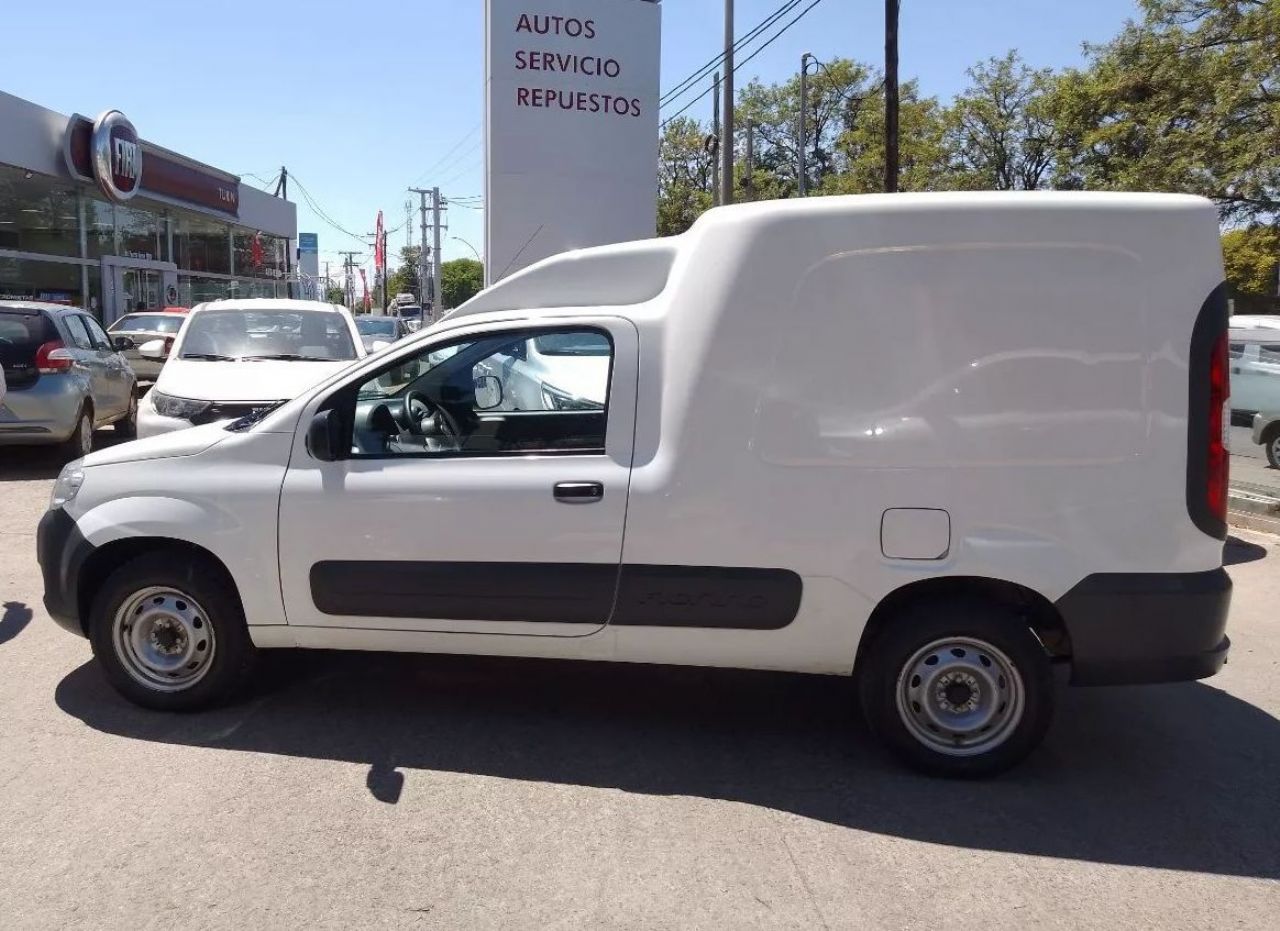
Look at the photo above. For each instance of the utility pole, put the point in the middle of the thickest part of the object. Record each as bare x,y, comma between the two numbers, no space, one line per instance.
437,298
802,174
891,95
326,282
749,182
726,140
715,149
282,190
349,292
408,223
424,252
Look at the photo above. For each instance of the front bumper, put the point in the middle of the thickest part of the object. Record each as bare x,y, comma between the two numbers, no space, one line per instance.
61,551
1130,628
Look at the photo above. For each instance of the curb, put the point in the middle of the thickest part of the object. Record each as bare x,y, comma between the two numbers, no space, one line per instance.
1253,507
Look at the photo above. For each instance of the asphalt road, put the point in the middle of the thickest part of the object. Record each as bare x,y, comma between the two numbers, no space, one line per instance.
400,791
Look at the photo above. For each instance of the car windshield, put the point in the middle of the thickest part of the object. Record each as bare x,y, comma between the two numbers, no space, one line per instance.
246,335
376,326
398,378
147,323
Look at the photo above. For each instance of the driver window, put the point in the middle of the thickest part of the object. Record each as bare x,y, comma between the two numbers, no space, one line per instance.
514,393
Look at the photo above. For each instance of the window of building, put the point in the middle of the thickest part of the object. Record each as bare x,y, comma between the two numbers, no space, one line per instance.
30,280
193,289
201,245
140,233
38,214
99,226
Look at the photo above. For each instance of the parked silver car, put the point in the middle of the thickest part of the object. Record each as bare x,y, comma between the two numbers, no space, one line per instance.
64,378
1266,433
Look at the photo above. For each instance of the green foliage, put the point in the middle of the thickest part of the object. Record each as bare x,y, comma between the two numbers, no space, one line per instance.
460,280
335,296
1000,134
1251,255
404,280
684,175
922,157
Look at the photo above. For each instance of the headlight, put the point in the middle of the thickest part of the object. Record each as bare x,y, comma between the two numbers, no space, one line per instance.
168,406
553,399
68,484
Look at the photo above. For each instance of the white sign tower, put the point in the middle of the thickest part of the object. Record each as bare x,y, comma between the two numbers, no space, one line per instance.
571,127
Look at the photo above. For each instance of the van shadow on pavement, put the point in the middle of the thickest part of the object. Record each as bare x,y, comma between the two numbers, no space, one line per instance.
1176,776
33,463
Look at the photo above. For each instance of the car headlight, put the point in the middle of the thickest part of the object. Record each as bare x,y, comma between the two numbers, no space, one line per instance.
68,484
554,399
166,405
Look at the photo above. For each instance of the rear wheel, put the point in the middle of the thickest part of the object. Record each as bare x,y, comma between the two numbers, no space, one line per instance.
170,634
958,688
1272,446
80,443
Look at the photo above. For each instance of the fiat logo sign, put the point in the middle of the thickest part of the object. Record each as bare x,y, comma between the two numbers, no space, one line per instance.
117,155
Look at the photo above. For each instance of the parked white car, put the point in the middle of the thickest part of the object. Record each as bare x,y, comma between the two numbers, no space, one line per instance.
773,476
1255,369
234,357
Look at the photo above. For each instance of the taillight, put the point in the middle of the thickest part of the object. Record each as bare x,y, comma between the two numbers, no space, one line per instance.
1217,474
53,357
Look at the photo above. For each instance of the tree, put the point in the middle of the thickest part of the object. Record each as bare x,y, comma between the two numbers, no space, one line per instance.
684,175
1000,134
1251,255
335,295
838,94
460,280
1186,100
404,280
922,155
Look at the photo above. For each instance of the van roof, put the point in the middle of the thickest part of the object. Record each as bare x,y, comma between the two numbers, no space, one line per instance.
266,303
636,272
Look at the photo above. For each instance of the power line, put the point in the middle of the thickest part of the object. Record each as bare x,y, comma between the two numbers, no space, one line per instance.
316,209
736,67
457,145
688,83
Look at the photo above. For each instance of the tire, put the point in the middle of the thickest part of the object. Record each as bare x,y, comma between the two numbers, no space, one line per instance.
127,426
1271,443
169,633
80,443
967,663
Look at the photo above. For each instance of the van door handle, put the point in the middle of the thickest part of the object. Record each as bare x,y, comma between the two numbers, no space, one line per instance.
579,492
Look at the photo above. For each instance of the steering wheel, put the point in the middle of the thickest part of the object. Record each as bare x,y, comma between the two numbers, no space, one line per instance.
424,417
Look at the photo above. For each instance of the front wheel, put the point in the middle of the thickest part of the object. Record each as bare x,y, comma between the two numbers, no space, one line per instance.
169,632
127,426
958,688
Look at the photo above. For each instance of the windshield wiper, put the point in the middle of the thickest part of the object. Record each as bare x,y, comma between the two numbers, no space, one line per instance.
286,357
208,357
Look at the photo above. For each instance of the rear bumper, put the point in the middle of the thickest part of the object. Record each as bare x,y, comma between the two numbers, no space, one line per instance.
61,551
1130,628
46,412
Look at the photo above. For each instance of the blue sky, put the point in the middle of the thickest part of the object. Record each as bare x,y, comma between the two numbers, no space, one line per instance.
362,100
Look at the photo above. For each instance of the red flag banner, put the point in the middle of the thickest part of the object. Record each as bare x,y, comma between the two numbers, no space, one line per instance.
380,246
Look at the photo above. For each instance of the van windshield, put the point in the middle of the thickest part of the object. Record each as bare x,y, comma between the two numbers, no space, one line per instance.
238,335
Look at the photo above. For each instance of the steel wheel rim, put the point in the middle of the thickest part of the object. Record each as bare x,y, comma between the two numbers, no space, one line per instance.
163,638
960,696
1275,449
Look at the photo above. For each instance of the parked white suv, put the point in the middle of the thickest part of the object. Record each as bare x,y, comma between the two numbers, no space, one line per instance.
719,449
232,358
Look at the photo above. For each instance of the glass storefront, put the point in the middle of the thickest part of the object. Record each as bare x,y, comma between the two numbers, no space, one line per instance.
57,218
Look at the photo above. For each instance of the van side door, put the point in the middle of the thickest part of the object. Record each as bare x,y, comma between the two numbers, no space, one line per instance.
459,508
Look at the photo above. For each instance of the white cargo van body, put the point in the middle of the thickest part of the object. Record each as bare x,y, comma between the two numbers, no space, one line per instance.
829,423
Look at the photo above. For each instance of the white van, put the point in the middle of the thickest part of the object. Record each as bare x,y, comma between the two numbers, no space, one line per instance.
1254,356
765,473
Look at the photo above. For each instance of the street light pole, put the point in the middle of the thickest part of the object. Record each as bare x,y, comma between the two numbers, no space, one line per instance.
802,177
469,246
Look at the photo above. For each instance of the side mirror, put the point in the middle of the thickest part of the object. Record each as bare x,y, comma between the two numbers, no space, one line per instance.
488,392
122,343
324,436
156,349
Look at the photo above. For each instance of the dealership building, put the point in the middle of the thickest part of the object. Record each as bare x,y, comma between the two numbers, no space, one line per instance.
94,216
